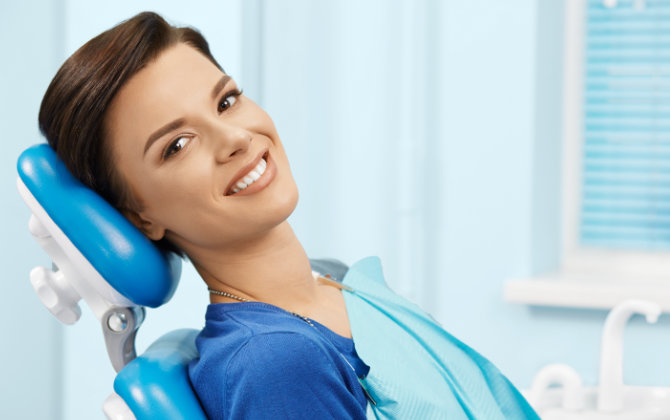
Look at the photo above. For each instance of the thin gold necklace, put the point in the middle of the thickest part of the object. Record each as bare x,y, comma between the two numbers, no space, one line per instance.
324,279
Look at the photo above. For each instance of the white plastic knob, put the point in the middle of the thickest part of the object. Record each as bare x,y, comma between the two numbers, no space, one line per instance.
56,294
37,228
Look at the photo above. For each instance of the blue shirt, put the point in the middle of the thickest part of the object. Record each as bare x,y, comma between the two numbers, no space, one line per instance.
258,361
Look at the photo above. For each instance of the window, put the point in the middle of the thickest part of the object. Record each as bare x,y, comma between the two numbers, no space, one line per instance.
616,172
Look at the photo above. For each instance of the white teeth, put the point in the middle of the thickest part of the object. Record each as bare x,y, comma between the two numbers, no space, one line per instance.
254,175
251,177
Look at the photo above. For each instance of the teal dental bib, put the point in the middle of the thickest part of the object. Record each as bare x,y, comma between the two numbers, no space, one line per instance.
417,369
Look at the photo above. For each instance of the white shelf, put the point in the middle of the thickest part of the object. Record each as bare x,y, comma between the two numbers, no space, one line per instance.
586,291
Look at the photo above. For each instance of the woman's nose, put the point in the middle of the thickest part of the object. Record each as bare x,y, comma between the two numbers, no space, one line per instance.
230,140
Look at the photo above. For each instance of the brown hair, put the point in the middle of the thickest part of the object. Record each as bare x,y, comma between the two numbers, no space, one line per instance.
73,108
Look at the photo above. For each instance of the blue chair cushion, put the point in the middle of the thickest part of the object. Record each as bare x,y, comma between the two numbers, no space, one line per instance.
122,255
156,385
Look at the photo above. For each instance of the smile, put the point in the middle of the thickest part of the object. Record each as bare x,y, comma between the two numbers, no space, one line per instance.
253,177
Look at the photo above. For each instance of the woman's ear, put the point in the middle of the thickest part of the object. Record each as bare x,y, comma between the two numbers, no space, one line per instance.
152,230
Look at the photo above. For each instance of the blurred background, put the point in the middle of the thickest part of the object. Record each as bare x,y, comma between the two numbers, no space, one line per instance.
429,133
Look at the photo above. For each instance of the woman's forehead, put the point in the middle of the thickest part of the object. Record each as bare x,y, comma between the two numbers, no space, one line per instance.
177,70
176,81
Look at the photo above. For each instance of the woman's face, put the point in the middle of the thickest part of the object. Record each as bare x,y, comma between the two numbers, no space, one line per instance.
204,161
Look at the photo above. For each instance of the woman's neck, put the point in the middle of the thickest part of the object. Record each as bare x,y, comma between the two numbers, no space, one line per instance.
273,269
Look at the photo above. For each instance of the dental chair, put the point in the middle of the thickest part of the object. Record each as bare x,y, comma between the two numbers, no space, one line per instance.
101,258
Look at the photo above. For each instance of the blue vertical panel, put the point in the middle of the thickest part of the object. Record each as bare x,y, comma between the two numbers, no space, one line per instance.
626,184
350,87
545,231
32,339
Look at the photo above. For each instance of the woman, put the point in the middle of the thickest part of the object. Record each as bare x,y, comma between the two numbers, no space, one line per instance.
145,116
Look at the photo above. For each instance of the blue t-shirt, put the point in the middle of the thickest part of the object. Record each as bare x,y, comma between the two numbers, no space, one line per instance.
258,361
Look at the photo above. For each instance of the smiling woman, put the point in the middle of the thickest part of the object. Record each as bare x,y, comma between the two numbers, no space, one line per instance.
210,144
145,116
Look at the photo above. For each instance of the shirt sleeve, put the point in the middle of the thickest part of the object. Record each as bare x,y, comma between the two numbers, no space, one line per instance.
288,376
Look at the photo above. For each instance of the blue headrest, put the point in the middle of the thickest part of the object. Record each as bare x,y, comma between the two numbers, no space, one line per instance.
121,254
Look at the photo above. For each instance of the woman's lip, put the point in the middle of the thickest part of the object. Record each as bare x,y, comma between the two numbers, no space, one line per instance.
263,181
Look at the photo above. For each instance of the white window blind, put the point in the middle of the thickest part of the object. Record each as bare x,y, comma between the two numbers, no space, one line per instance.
626,151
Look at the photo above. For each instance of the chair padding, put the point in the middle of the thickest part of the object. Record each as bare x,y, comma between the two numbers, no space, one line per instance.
122,255
156,385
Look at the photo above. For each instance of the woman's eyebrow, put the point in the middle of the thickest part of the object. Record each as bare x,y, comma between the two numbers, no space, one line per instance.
219,85
162,131
180,121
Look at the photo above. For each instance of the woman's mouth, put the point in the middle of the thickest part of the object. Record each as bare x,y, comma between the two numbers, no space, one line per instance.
253,176
255,179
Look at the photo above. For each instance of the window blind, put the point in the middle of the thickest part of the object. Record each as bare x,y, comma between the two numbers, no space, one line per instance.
626,143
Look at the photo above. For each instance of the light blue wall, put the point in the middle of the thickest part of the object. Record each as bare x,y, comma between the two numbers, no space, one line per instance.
487,69
426,132
31,344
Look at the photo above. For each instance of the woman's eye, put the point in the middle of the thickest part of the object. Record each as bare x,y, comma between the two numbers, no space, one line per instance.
175,147
228,100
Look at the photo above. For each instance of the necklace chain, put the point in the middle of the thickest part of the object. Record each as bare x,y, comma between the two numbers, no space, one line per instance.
241,299
230,295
